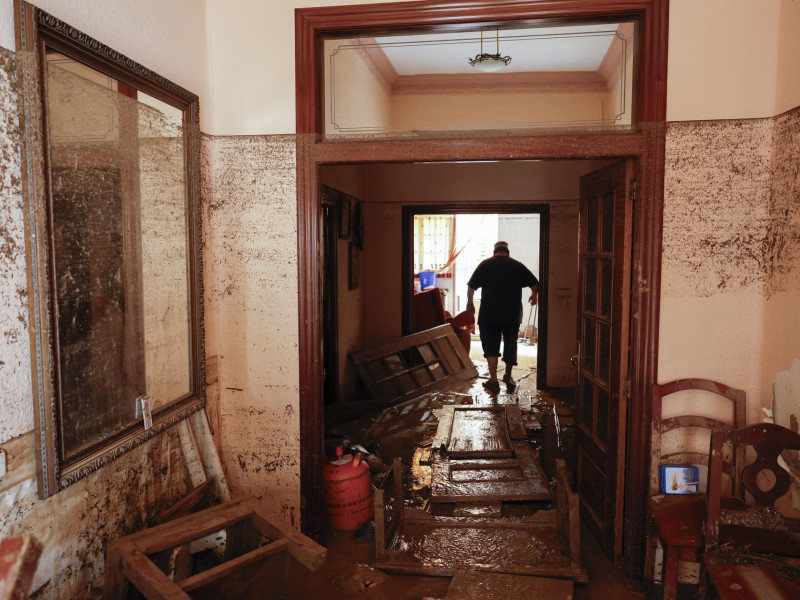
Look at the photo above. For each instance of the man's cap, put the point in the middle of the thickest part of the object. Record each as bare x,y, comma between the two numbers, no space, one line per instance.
501,247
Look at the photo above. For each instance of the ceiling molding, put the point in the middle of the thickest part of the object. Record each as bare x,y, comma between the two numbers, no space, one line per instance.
376,61
533,82
610,68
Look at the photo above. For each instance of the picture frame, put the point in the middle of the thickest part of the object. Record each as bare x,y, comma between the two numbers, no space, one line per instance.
358,226
353,256
344,218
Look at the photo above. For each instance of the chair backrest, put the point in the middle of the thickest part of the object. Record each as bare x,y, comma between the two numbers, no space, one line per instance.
661,426
768,440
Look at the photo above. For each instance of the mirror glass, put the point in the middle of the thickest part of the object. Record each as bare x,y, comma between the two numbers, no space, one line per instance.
576,76
120,223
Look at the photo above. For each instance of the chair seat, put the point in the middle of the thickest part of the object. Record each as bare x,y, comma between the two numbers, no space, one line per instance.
751,576
679,519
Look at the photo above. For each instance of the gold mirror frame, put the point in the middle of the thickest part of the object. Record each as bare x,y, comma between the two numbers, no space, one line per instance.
37,30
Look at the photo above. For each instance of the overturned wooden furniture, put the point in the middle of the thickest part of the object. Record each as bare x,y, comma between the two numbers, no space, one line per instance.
257,557
413,542
481,454
410,366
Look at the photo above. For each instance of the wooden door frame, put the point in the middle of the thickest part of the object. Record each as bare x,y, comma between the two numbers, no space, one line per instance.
506,208
330,198
645,142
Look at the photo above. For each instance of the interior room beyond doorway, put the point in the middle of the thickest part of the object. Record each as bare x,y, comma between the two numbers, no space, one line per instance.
448,247
373,312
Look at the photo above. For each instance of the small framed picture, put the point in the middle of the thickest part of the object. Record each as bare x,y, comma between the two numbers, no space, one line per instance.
344,218
352,271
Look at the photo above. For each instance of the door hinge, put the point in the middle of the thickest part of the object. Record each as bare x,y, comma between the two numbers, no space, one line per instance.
633,190
626,389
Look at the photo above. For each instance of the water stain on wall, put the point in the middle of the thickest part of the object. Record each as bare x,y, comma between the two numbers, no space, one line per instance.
15,382
783,267
716,198
730,220
249,196
76,524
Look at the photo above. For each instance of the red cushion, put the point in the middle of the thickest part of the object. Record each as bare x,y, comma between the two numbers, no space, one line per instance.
428,309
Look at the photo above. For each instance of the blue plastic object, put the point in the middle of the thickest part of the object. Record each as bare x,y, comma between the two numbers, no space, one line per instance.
427,280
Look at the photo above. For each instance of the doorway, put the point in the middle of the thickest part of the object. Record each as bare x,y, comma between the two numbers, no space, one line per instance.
525,226
643,142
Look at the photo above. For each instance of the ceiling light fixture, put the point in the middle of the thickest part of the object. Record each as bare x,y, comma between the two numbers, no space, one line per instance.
489,63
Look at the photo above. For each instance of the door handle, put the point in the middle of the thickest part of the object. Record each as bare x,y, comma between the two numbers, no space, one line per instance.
574,360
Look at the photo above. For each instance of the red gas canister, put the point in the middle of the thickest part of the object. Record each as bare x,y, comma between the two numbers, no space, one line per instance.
348,494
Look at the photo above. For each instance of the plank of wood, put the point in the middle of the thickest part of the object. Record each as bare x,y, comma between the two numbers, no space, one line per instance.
305,550
233,565
532,469
516,430
443,430
380,525
197,499
148,578
479,431
568,509
20,461
191,527
115,584
475,585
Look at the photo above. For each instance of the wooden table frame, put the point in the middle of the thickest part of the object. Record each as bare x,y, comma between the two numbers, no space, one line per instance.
565,519
140,558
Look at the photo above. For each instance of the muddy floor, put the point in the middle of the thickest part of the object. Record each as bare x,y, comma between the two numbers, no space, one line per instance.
406,432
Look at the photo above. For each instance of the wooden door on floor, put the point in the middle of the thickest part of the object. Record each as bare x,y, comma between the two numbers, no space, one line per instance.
606,232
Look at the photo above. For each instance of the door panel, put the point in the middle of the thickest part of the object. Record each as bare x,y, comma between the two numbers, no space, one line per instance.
603,328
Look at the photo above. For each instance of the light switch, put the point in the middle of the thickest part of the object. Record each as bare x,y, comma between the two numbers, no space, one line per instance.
2,463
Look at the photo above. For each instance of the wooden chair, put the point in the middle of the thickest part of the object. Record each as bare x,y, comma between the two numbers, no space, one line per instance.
735,539
679,519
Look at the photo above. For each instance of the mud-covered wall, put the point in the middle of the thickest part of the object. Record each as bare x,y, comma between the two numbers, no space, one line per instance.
250,267
730,306
782,297
715,252
75,525
15,380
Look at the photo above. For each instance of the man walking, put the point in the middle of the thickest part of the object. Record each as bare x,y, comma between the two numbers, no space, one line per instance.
501,279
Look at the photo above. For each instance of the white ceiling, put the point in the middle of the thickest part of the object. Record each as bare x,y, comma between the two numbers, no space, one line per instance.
574,48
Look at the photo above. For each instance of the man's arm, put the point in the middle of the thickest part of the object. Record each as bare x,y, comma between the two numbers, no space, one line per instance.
534,294
470,305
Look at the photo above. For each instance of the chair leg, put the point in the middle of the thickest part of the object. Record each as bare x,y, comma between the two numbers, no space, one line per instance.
670,574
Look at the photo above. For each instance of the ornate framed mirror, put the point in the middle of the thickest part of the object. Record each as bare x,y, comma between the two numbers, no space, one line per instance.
111,192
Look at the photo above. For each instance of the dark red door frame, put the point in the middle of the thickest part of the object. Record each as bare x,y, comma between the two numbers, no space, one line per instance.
505,208
646,144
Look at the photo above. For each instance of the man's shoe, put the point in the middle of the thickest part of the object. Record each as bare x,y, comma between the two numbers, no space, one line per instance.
509,381
492,386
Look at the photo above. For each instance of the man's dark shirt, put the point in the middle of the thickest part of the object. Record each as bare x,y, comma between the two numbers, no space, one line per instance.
501,279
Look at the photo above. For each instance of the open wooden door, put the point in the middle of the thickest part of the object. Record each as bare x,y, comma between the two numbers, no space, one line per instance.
606,233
